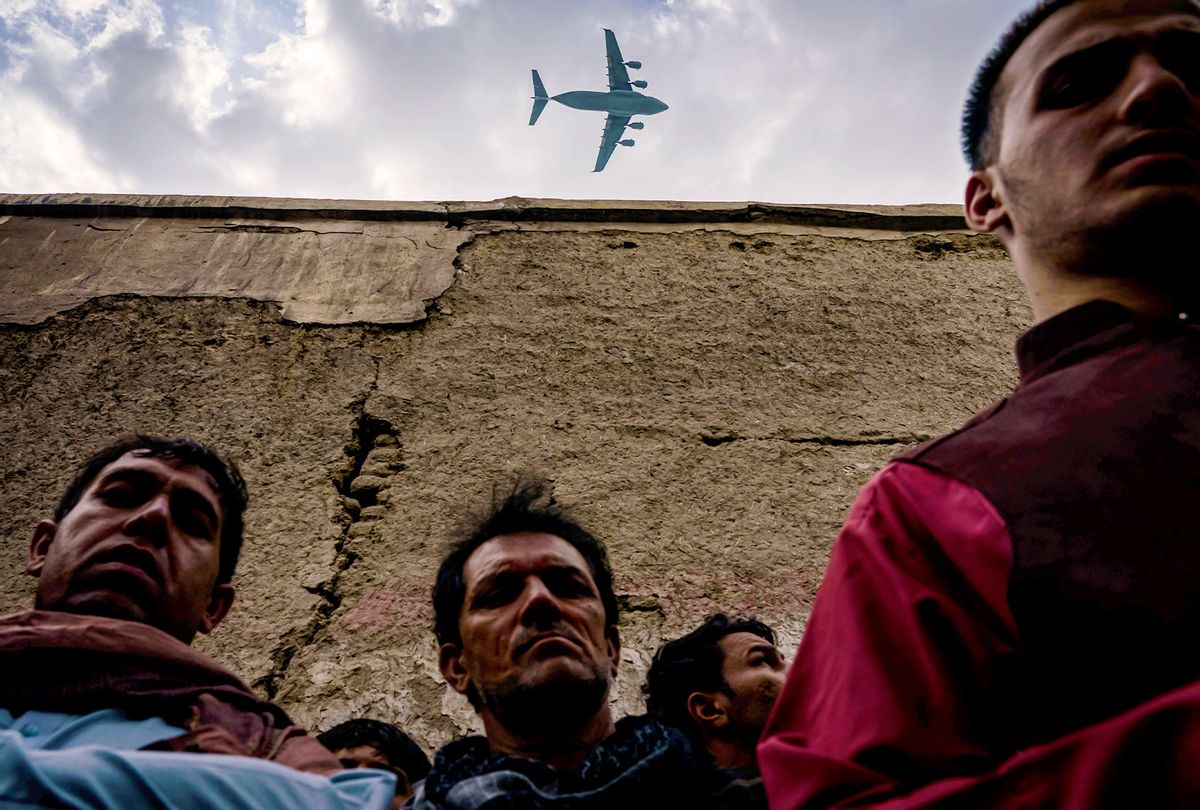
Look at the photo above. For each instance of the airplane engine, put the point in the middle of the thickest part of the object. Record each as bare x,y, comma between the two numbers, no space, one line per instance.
636,125
626,142
641,83
634,65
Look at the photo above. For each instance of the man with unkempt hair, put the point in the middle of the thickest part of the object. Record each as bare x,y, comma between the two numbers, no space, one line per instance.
103,702
526,616
1010,614
717,684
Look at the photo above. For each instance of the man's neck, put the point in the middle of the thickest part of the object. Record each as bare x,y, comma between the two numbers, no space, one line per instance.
1049,300
560,748
730,753
1152,280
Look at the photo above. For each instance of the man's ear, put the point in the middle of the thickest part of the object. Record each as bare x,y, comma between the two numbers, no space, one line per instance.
613,637
43,535
707,710
218,605
450,662
985,210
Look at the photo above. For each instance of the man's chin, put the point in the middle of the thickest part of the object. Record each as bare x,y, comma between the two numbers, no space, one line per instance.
1160,209
1143,233
102,604
560,693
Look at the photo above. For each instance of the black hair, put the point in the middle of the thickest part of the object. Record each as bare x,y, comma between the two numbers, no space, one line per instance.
691,664
527,508
978,130
231,489
398,748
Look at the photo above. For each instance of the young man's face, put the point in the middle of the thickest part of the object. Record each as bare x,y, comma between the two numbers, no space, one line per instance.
362,756
754,671
142,544
369,756
1100,121
532,617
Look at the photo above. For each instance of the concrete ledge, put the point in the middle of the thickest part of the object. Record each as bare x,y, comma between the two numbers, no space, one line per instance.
902,219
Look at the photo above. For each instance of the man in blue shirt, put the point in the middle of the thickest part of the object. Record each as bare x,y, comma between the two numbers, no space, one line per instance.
103,702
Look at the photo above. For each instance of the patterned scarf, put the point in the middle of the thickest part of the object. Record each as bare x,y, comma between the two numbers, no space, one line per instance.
644,764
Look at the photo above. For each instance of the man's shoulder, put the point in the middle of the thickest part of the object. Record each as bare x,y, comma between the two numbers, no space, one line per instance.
739,789
77,665
968,429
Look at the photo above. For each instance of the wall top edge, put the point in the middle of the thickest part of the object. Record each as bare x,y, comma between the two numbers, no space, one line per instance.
508,209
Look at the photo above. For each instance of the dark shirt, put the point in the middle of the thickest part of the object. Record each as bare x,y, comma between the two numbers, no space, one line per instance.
739,789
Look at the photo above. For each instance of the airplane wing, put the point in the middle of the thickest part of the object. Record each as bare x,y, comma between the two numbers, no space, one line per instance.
618,76
614,125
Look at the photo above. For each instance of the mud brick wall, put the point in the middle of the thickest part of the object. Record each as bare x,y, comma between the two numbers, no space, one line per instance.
707,386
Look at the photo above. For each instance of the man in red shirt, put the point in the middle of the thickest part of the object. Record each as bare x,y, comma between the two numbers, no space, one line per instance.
1011,612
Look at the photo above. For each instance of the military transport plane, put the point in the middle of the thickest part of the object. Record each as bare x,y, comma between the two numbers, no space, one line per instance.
621,102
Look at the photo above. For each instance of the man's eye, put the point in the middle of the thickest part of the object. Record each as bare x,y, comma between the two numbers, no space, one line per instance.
766,660
1079,88
195,524
570,587
121,495
1087,77
1181,56
492,597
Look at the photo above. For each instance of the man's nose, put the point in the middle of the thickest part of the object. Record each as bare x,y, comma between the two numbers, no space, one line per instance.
151,520
538,603
1154,95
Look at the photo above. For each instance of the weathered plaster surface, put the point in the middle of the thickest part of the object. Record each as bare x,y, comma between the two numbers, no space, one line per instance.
707,385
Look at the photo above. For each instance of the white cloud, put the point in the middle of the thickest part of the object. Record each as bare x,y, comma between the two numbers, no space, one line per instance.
306,74
823,101
204,79
427,13
40,153
119,18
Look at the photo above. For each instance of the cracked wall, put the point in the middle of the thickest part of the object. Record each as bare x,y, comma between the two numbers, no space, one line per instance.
707,390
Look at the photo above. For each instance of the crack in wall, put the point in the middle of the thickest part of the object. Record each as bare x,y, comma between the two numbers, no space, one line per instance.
371,457
718,439
279,229
630,604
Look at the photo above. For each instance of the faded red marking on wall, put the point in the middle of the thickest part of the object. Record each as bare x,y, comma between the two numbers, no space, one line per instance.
697,594
683,595
388,608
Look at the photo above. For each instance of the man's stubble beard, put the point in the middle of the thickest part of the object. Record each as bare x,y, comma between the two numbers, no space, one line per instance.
553,709
1152,243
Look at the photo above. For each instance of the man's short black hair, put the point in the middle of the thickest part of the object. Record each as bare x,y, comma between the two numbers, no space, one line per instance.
529,507
979,130
231,489
691,664
399,749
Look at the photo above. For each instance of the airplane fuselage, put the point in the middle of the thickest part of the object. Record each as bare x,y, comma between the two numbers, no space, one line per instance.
617,102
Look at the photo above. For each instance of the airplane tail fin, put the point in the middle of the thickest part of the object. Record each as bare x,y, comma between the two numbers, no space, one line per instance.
540,98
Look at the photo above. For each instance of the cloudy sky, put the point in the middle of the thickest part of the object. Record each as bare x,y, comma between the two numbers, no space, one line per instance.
789,101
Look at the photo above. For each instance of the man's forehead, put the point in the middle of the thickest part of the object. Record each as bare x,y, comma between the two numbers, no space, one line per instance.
361,748
522,552
1084,23
740,643
161,466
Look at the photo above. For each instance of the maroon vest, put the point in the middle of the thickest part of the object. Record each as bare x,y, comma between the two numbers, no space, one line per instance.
1094,464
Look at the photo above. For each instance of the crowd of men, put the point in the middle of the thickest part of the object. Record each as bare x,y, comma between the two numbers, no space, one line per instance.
1008,619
